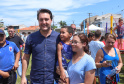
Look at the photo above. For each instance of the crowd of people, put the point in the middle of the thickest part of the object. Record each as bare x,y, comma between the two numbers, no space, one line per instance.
67,57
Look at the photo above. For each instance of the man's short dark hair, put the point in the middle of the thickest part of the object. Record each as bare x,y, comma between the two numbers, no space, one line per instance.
10,27
44,11
69,29
106,34
90,35
97,33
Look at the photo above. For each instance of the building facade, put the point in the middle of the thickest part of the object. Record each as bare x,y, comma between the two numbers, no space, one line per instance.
103,21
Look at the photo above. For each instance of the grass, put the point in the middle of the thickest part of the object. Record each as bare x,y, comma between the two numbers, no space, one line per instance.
29,68
27,73
122,72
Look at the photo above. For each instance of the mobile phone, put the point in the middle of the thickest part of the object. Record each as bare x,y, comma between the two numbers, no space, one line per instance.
109,62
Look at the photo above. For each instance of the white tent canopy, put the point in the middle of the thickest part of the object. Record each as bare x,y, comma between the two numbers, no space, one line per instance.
94,28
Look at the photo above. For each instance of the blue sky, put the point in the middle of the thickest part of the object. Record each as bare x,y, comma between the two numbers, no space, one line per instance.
17,12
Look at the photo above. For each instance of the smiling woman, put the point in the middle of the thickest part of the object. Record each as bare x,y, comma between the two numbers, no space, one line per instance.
81,68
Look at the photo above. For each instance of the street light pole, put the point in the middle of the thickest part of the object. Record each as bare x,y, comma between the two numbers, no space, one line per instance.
89,17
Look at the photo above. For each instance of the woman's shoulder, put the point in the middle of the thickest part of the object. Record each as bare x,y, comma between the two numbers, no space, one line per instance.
117,50
88,58
90,63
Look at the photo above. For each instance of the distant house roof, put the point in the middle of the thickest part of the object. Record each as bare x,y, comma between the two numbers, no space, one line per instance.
108,16
18,26
30,28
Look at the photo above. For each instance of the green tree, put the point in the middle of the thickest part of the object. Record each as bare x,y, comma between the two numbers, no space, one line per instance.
62,23
1,25
53,27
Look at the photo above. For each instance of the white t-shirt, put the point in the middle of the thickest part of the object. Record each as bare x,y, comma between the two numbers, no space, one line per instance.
94,46
72,36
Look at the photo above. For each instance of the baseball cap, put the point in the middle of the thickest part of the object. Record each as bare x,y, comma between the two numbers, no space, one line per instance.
2,32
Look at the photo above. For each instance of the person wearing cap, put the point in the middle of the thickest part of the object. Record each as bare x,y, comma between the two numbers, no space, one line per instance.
8,64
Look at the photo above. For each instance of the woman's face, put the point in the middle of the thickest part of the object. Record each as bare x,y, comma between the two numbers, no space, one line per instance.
121,23
110,42
76,44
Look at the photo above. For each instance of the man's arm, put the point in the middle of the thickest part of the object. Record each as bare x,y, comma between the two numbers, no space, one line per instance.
16,61
21,42
114,31
4,74
23,45
25,62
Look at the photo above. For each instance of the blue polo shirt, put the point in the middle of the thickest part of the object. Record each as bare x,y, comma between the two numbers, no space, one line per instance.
7,58
44,50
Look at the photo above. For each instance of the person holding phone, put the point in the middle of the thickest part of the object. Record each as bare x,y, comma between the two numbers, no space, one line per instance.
108,58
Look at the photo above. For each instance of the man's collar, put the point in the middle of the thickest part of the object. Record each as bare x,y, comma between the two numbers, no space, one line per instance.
50,33
12,36
6,43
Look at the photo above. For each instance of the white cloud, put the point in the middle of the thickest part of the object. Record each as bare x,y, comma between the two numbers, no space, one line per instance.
58,5
25,11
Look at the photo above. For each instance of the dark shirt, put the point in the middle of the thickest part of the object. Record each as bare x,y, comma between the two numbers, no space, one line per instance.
16,39
44,56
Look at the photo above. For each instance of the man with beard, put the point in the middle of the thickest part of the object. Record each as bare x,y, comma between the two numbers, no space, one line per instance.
42,45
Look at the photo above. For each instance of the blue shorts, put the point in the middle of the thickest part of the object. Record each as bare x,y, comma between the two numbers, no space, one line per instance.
120,37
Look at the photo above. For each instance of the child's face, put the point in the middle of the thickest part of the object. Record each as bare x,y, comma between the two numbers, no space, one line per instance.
64,34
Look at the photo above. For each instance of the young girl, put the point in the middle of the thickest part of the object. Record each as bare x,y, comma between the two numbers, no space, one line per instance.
64,51
119,34
81,68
